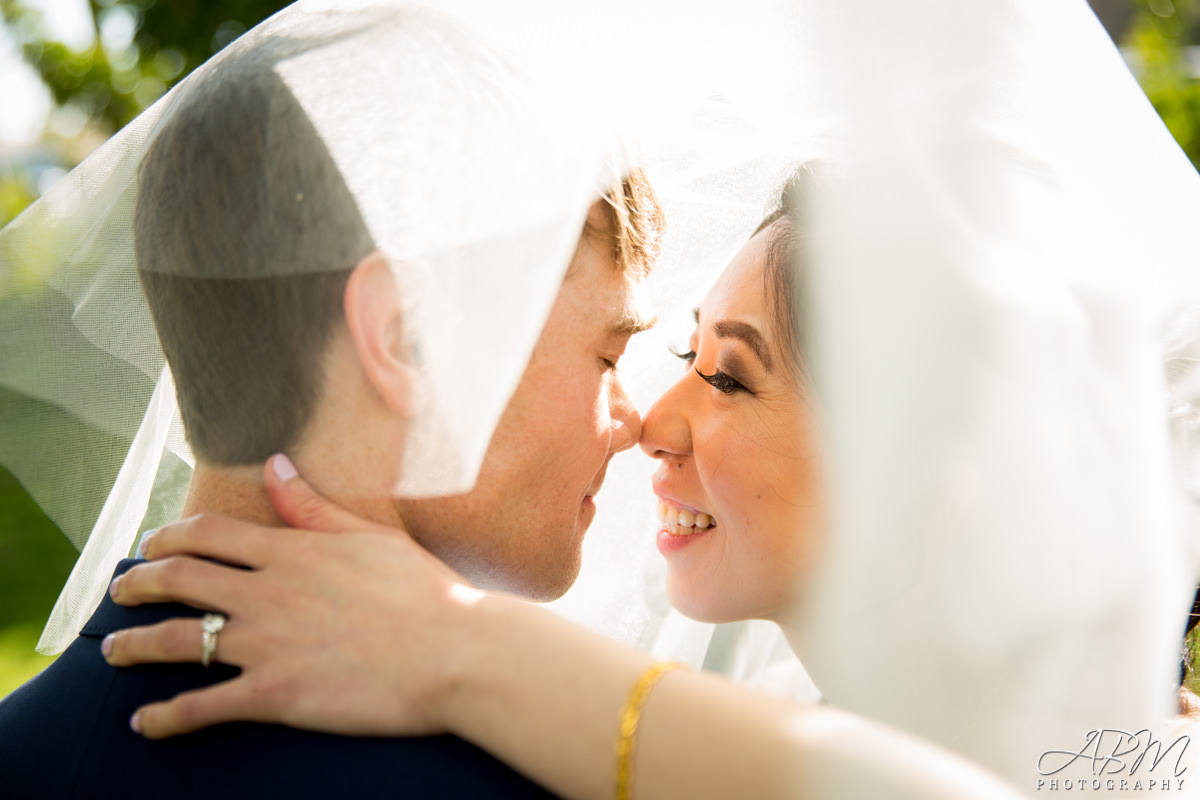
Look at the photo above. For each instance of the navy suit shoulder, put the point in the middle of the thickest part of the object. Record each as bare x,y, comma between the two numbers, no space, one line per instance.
66,734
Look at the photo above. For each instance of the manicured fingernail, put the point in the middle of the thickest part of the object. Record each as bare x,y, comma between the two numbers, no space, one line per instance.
112,587
106,645
135,722
145,541
285,470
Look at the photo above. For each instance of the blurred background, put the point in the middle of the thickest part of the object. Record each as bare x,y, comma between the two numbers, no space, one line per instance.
72,72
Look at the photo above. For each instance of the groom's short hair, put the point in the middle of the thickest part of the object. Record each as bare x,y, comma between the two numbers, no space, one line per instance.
635,223
246,234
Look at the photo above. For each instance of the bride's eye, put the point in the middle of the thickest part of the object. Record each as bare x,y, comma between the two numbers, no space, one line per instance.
722,382
689,356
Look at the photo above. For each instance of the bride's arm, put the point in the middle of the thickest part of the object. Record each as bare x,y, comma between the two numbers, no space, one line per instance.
366,633
545,696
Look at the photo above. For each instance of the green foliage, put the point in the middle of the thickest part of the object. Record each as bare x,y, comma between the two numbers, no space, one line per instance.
18,660
194,29
112,85
35,560
14,197
27,539
1191,649
1157,38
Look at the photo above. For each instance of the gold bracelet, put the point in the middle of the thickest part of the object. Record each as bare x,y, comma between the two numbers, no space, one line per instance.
631,713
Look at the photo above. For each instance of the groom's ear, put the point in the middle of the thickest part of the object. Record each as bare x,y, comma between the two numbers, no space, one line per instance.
376,325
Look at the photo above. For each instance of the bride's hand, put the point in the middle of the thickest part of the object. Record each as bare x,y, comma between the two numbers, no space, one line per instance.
313,621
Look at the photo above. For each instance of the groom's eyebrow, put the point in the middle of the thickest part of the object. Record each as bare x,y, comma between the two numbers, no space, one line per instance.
631,322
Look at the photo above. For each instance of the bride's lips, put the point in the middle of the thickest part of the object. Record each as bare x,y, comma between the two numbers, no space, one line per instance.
680,524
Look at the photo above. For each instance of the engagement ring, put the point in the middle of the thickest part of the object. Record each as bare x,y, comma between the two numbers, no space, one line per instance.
211,625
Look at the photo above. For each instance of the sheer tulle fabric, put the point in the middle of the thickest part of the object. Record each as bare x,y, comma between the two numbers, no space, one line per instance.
997,273
472,152
996,259
992,268
84,384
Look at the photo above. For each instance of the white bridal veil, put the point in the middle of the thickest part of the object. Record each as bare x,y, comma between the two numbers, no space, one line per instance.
449,154
992,273
995,271
1012,564
472,139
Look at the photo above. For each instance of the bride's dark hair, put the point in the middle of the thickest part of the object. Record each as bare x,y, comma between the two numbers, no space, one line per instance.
783,283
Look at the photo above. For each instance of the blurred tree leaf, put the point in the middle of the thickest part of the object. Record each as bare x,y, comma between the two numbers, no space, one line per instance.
141,49
14,197
1157,39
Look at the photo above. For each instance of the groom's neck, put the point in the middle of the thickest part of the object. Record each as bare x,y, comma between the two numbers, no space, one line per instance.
237,492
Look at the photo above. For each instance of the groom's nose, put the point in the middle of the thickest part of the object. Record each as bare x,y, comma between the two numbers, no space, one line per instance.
625,419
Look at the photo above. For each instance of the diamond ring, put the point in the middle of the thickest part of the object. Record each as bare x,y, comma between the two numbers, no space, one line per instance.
211,625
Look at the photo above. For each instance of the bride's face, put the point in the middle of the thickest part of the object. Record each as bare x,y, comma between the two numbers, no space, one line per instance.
738,483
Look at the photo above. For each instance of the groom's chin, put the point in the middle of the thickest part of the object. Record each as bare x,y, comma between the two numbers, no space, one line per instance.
540,574
547,581
550,560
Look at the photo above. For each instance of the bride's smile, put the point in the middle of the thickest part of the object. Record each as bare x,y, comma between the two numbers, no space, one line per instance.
740,506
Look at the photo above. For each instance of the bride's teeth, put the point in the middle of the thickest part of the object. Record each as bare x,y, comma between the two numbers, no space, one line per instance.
683,521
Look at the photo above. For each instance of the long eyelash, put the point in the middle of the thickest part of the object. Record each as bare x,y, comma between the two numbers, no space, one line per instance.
718,380
689,356
721,382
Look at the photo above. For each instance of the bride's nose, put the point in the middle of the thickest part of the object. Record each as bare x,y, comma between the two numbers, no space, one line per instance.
665,430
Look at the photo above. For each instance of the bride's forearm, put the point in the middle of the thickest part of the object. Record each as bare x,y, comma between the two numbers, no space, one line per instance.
413,651
541,694
545,696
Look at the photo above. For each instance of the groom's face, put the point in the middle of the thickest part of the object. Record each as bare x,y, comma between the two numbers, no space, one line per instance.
521,528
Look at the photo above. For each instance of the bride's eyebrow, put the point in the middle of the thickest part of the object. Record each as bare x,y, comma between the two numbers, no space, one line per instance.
744,332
